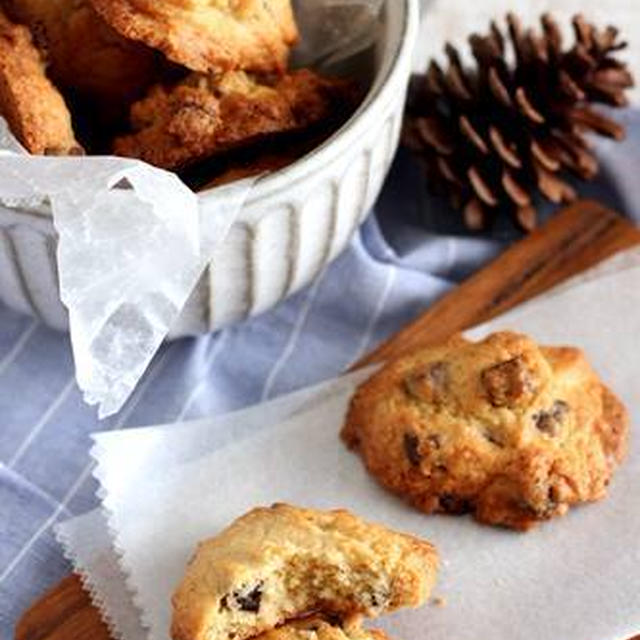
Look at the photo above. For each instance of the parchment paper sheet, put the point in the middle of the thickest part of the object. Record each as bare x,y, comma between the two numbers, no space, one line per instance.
576,578
150,451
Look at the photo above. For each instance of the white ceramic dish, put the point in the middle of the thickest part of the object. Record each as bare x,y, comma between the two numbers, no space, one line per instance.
295,222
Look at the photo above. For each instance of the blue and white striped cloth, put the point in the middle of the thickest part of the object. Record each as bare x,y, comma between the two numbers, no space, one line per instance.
400,261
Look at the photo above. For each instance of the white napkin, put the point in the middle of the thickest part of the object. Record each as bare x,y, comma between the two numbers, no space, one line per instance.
568,579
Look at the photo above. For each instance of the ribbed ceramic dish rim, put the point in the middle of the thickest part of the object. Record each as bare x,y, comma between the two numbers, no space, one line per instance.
298,171
377,95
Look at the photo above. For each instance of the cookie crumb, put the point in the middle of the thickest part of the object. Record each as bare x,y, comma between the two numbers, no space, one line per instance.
439,601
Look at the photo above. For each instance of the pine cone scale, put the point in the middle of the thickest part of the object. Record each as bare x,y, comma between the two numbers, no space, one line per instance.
504,150
526,217
545,159
471,133
553,187
526,108
498,89
434,135
482,189
515,191
569,87
552,33
597,122
447,171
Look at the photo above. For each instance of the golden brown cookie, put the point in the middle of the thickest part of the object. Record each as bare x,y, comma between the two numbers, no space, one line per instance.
510,431
85,54
205,115
317,628
32,106
279,563
209,35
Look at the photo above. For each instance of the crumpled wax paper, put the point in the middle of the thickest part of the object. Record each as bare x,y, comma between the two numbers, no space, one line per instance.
132,243
132,238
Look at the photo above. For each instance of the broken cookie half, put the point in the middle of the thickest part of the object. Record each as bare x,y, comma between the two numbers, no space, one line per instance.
278,564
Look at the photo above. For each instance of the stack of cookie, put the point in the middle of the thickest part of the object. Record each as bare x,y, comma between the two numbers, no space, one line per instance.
287,573
175,83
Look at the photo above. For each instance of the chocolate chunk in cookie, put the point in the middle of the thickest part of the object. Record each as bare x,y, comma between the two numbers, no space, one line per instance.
507,382
549,421
411,444
247,599
429,382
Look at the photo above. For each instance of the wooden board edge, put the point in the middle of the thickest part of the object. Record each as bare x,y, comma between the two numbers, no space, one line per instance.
572,241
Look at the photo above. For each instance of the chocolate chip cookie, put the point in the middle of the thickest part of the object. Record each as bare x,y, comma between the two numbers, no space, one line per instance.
209,35
32,106
276,564
505,429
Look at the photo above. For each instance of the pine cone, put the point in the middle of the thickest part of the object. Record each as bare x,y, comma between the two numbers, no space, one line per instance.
495,134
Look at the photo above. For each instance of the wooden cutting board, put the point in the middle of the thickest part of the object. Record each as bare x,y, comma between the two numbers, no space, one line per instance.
574,240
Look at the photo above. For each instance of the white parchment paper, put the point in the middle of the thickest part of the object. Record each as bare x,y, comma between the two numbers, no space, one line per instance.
151,451
88,544
576,578
132,243
87,539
